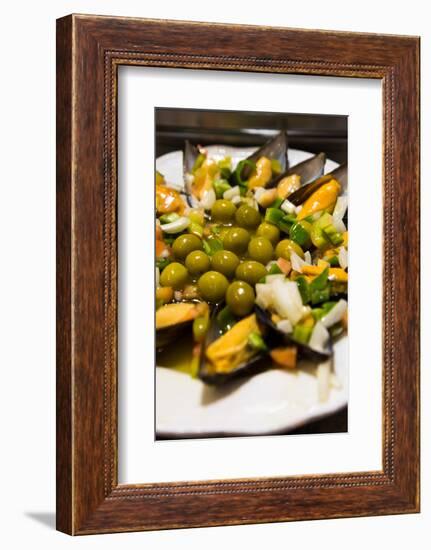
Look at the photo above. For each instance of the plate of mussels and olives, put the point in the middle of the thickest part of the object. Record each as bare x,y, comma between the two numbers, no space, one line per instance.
251,289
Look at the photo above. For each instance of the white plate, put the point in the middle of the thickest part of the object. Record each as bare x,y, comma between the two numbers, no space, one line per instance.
273,401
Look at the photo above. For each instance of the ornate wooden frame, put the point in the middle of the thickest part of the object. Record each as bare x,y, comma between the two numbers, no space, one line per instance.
89,51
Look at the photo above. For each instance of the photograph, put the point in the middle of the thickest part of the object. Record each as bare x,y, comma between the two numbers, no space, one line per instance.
251,260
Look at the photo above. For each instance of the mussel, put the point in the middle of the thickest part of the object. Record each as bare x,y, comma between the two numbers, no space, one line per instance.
174,319
226,356
307,170
274,149
304,192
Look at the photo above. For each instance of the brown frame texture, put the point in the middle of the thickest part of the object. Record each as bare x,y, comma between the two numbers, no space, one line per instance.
89,51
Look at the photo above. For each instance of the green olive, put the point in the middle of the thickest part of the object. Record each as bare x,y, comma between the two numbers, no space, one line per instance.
240,298
236,240
174,275
286,247
269,231
260,249
225,261
223,211
197,262
247,216
184,244
251,272
212,286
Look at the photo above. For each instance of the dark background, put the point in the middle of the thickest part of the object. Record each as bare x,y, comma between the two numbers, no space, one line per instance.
314,133
309,132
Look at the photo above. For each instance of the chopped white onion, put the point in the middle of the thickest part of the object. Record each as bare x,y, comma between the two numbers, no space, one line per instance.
236,199
288,207
307,257
175,186
323,374
285,326
287,300
306,311
271,278
178,295
298,209
175,227
208,199
165,253
335,314
319,337
340,208
342,258
231,193
189,178
335,381
264,295
259,191
297,262
338,214
339,225
157,276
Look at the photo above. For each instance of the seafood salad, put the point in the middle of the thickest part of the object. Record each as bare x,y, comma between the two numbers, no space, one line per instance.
252,264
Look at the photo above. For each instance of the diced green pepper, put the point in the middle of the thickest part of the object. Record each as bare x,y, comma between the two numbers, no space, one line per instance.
300,233
225,319
321,281
321,311
317,313
220,186
196,229
304,289
198,162
317,236
225,163
238,170
276,167
301,333
169,218
225,166
212,245
327,306
333,235
161,263
286,222
274,270
332,261
320,295
256,341
277,203
169,239
274,215
197,216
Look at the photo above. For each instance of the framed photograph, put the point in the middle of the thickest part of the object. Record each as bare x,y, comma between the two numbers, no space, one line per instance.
237,274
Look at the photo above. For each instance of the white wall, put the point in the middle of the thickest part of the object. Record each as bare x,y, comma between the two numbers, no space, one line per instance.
27,238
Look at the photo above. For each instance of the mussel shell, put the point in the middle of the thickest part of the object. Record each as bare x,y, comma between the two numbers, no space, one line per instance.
304,192
308,170
278,338
258,363
274,149
167,335
191,153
